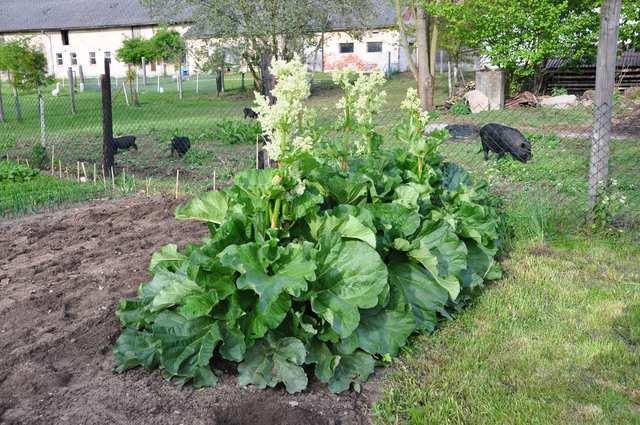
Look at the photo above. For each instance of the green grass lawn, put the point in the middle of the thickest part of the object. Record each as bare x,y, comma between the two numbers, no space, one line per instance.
557,341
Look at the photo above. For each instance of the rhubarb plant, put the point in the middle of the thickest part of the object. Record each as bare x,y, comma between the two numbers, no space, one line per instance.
316,265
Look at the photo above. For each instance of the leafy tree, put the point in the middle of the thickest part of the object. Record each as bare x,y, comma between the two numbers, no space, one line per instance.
266,29
425,28
169,46
132,51
521,36
26,67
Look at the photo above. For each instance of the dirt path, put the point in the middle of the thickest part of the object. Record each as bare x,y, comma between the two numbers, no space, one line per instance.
61,276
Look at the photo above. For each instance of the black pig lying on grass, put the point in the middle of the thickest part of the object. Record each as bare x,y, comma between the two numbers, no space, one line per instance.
250,113
124,143
181,145
502,140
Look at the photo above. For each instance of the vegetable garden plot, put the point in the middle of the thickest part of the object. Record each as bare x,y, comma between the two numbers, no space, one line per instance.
329,262
61,276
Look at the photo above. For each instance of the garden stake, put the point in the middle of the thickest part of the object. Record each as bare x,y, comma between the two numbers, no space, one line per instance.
84,172
177,181
53,154
257,153
214,180
113,180
78,170
60,168
26,162
94,173
104,180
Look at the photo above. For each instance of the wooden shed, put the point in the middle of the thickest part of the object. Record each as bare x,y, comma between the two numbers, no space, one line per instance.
579,78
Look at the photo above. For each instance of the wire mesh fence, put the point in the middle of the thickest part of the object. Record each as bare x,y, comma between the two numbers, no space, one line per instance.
554,182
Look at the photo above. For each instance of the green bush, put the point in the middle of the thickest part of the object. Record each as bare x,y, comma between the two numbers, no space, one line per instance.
559,91
13,172
460,108
39,157
232,132
330,262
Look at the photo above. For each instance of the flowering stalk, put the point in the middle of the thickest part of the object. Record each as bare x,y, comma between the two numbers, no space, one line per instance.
285,122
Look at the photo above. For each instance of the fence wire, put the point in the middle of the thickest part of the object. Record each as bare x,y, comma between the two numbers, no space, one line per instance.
223,141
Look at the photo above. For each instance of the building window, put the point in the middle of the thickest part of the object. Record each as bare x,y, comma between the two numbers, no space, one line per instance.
374,47
346,47
59,60
65,37
74,59
92,58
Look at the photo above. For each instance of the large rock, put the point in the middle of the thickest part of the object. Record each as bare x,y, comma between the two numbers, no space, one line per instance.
478,101
559,102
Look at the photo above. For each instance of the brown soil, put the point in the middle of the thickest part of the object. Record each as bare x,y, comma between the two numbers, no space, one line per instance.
61,276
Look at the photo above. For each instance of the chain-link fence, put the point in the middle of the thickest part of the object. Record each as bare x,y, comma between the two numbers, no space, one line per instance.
222,139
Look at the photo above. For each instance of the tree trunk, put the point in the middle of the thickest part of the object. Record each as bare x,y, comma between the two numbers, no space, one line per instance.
433,50
16,99
2,119
267,82
425,83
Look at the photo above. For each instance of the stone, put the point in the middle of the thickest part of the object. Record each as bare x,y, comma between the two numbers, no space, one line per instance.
559,102
478,101
492,84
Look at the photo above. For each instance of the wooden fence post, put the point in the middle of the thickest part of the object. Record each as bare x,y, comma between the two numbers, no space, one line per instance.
72,93
603,108
107,118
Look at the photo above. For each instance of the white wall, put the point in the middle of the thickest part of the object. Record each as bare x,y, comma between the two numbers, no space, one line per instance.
392,54
83,42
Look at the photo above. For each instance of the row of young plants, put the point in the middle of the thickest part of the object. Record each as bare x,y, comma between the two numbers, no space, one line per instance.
326,264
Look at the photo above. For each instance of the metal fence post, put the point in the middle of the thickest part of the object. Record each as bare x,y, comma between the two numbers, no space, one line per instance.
107,121
603,108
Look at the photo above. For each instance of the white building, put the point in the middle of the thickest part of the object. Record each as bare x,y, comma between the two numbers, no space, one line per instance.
74,33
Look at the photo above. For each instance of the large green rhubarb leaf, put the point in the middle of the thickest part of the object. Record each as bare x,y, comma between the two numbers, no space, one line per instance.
354,368
416,287
444,255
167,257
135,348
383,332
351,276
289,270
269,362
209,207
187,347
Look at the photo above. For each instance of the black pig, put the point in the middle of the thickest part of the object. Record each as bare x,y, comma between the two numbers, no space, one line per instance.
250,113
124,143
502,140
181,145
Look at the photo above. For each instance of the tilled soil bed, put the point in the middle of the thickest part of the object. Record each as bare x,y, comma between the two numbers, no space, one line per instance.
61,277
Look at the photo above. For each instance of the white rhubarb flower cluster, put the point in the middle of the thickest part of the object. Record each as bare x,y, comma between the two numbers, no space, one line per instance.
369,97
284,122
411,104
